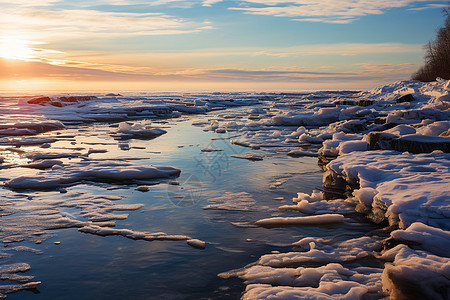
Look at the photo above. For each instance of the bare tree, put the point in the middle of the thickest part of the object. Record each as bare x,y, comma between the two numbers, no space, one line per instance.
437,55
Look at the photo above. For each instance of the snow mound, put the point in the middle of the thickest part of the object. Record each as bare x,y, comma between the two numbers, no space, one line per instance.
408,187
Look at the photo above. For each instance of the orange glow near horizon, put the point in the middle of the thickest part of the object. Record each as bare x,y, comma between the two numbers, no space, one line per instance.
43,86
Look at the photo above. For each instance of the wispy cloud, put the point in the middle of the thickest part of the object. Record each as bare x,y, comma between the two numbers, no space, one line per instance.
344,49
210,2
61,25
328,11
430,6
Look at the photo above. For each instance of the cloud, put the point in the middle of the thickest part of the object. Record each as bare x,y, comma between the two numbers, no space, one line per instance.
430,6
328,11
210,2
344,49
25,3
23,70
62,25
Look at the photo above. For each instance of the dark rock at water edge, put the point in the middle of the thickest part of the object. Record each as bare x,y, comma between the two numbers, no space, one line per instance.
40,100
364,102
405,98
380,140
421,144
412,143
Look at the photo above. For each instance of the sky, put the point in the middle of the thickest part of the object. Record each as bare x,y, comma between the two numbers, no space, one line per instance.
164,45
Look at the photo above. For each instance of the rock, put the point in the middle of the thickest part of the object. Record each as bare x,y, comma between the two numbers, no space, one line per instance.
40,100
56,103
417,143
334,186
380,140
405,98
380,120
364,102
345,102
142,188
68,99
76,98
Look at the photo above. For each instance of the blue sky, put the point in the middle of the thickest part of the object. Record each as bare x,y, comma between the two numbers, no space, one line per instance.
210,44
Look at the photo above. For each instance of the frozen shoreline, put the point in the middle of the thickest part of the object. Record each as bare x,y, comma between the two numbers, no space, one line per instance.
410,191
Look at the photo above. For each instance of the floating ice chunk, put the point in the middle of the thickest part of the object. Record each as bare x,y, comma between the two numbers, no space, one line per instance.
300,153
9,289
277,275
44,164
255,156
259,139
101,172
50,156
298,132
349,250
231,202
339,206
315,196
308,138
30,128
26,141
301,221
131,234
196,243
128,130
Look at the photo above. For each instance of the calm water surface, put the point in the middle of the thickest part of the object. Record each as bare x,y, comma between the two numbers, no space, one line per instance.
85,266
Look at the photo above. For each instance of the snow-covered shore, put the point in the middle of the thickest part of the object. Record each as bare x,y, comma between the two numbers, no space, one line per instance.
385,150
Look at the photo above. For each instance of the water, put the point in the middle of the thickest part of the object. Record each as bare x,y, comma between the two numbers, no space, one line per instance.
85,266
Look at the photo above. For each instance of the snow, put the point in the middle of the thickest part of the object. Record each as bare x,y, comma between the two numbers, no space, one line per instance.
408,187
129,130
196,243
91,171
255,156
299,221
417,274
434,240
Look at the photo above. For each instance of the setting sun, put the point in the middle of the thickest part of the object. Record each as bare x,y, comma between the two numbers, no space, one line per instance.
13,48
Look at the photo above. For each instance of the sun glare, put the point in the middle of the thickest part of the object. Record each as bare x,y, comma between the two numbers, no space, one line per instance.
12,48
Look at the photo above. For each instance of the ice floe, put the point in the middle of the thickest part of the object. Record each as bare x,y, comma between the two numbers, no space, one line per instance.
91,171
231,202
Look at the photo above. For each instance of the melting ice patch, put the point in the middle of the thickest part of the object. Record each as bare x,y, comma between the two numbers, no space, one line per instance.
231,202
60,176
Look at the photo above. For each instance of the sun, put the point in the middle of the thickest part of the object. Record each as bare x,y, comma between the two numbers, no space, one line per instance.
13,48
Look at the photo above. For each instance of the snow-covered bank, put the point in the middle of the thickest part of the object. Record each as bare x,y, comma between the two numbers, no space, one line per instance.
401,187
392,146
